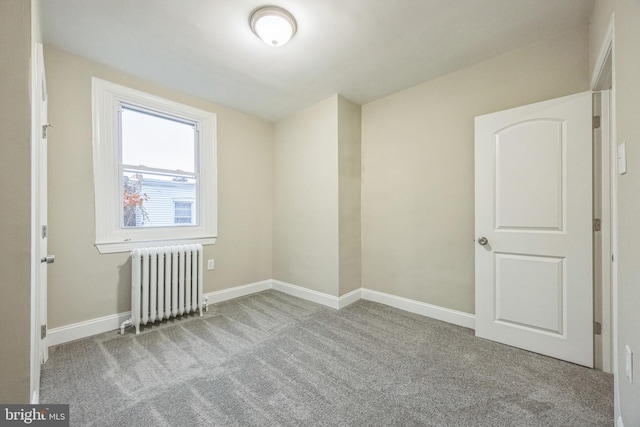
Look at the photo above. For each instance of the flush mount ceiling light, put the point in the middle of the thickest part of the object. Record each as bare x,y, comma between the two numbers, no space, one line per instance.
274,25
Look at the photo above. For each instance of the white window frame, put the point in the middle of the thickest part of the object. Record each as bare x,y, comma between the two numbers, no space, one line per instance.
110,236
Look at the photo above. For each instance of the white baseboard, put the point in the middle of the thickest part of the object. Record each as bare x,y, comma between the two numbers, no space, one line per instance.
110,323
237,292
315,296
350,298
436,312
307,294
91,327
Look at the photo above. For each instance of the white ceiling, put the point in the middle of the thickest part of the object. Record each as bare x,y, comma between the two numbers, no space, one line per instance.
361,49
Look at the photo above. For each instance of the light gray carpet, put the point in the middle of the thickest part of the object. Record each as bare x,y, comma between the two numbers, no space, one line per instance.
271,359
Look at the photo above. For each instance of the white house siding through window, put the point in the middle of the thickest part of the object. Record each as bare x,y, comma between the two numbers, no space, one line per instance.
166,203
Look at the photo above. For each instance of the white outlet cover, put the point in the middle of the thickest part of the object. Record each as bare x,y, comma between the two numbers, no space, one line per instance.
210,264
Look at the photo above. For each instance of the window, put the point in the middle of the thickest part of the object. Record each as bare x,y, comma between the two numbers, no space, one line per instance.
182,212
158,161
155,170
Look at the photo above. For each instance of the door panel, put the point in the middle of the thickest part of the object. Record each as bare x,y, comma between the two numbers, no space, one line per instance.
534,284
529,176
525,281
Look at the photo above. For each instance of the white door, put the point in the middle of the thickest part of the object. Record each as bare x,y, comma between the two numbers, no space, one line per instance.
533,205
39,349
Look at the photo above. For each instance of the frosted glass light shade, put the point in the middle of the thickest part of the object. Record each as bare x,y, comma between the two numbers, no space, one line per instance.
274,25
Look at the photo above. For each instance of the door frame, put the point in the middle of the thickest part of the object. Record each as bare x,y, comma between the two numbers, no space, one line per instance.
604,70
601,81
602,188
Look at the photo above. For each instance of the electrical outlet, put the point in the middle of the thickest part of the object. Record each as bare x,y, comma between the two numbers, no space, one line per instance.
210,264
629,364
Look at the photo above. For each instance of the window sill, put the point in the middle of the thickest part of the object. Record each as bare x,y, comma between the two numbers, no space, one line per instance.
116,247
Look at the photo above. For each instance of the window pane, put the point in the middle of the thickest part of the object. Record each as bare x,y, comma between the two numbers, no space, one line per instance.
157,142
182,212
149,199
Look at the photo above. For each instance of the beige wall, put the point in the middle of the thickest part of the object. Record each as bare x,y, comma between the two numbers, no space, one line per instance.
418,163
305,226
15,191
84,284
627,87
317,165
626,82
349,200
598,26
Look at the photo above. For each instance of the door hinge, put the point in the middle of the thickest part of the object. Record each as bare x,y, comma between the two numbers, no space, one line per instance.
44,231
44,130
597,224
596,122
597,328
43,332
